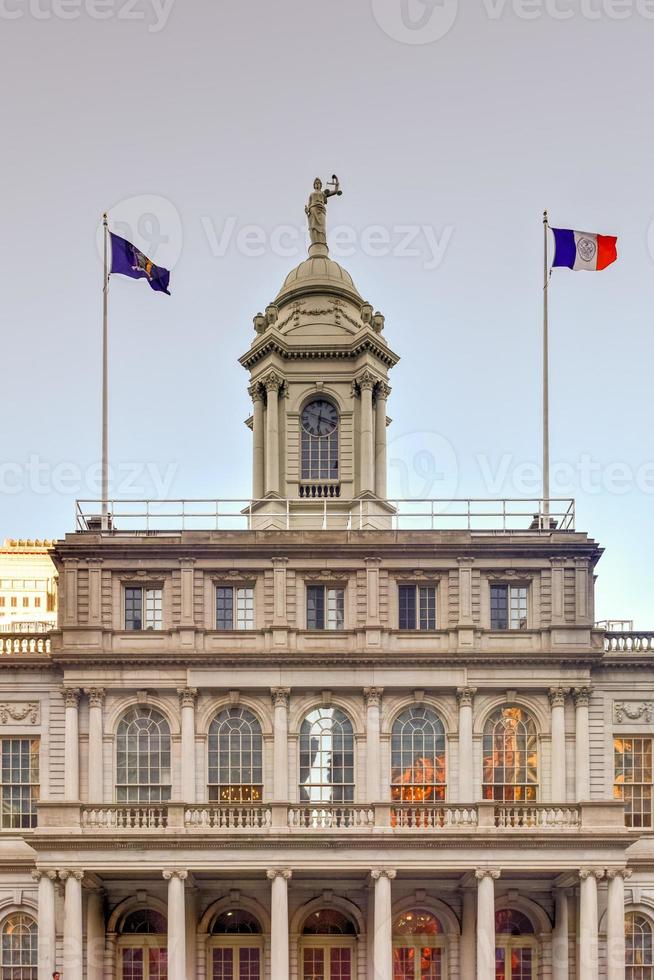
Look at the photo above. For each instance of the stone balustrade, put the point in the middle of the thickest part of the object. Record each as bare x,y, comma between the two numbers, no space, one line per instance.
629,641
527,816
24,644
124,817
230,817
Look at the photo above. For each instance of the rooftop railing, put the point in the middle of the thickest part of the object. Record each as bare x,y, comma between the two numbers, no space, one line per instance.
479,515
629,641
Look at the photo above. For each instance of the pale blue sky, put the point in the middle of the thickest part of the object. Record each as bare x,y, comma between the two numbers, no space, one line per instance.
217,116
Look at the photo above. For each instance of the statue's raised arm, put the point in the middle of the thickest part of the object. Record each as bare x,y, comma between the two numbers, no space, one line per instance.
316,209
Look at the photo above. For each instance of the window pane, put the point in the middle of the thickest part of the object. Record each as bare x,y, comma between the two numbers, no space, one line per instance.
327,757
315,607
153,609
633,779
245,609
19,948
133,609
510,756
427,608
235,749
19,787
407,607
143,757
224,608
335,609
518,608
418,756
499,598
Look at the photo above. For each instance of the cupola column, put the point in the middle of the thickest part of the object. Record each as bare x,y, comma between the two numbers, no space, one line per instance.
272,384
258,488
382,393
366,383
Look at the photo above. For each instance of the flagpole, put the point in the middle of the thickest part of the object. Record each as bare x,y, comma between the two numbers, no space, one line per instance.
546,380
105,382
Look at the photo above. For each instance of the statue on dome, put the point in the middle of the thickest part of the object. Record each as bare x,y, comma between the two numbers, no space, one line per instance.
316,209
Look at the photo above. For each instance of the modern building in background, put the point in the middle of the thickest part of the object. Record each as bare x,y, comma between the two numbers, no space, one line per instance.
28,585
322,735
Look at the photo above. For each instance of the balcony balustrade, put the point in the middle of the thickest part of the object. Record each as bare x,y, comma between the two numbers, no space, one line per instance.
629,641
24,644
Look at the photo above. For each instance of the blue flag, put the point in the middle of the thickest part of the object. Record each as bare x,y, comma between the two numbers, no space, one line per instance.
128,260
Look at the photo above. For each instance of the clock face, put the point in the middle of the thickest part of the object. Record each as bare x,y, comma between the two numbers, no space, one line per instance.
319,418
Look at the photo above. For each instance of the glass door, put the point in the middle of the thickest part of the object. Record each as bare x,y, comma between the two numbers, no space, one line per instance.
144,963
513,962
236,963
417,963
327,963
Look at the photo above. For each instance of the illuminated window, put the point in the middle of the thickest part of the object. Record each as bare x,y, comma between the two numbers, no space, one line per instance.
418,946
632,780
235,757
325,608
234,608
19,948
143,609
418,756
515,946
417,607
326,757
510,756
19,758
14,601
508,607
639,940
143,757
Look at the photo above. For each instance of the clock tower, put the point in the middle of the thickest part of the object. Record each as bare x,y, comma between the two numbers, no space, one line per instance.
318,367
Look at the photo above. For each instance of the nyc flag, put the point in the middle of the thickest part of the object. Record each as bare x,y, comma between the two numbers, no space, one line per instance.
128,260
578,250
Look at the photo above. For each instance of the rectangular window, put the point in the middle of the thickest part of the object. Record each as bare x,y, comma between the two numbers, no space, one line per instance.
26,602
632,781
417,607
14,601
508,607
143,608
325,608
37,601
19,775
2,600
234,608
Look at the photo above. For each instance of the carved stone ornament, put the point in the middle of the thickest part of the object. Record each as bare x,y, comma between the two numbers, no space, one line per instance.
285,873
487,873
19,711
557,697
465,696
383,873
642,711
187,697
372,696
71,697
234,577
591,873
280,696
510,575
326,575
418,575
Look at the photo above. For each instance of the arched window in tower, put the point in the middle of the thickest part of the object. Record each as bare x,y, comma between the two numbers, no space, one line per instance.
143,757
516,946
326,757
418,946
319,426
235,757
19,948
510,756
418,756
639,947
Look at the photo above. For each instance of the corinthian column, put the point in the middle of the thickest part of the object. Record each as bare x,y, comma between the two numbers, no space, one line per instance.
71,744
372,697
486,878
279,923
46,920
582,739
96,748
465,696
73,933
258,488
615,945
383,938
280,696
176,924
272,384
588,924
382,392
560,936
557,703
187,699
366,383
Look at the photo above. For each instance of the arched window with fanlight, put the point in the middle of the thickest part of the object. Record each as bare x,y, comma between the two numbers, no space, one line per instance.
19,948
326,757
143,749
327,946
235,757
639,947
319,428
143,946
236,946
419,946
516,946
418,756
510,756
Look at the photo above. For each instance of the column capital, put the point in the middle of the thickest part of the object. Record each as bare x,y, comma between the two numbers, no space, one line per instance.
95,695
67,873
581,696
71,696
187,562
170,873
255,392
366,381
465,561
280,696
465,696
624,873
585,873
382,391
482,873
188,697
557,696
284,873
372,696
383,873
272,381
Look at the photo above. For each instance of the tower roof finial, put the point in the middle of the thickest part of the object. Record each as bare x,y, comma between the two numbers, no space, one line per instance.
316,212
